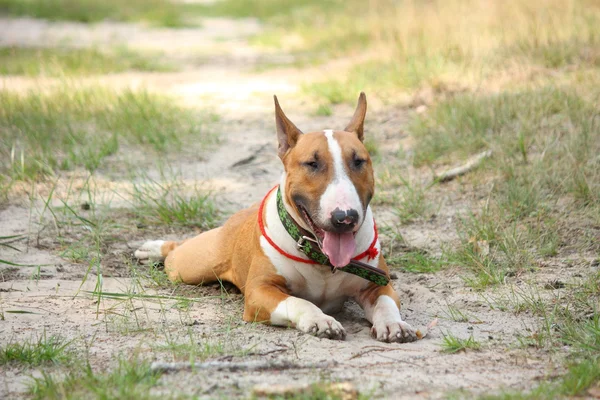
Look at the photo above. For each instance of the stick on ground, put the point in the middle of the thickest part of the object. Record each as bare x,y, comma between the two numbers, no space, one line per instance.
471,164
236,366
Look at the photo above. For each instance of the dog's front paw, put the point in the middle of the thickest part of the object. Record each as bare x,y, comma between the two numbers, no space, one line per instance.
322,326
393,331
150,252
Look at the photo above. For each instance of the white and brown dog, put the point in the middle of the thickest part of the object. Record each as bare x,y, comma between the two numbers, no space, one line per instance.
307,247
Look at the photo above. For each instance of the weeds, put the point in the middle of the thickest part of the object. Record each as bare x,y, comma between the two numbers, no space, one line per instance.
47,350
453,344
130,379
456,315
171,202
412,202
69,62
416,262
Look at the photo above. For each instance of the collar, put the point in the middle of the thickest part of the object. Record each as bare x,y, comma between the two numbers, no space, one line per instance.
309,246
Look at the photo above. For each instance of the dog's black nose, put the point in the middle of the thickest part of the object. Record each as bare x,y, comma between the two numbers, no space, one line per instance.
344,220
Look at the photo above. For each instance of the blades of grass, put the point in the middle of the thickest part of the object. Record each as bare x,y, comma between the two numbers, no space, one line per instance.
20,312
84,220
22,265
127,296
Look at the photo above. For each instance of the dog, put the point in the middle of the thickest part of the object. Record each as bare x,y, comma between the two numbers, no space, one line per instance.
307,247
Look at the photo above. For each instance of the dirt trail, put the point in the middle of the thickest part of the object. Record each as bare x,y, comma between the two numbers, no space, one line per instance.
241,169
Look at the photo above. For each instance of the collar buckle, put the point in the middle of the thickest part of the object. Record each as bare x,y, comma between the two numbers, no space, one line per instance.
303,239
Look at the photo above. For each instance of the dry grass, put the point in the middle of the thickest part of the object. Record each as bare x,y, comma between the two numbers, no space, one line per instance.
453,45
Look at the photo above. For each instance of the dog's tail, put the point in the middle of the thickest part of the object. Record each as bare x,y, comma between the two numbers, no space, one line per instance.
155,251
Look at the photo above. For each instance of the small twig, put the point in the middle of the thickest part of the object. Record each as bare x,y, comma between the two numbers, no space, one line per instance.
250,158
471,164
371,349
236,366
264,353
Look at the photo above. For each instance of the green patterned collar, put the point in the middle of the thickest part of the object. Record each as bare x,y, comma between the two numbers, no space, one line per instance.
309,245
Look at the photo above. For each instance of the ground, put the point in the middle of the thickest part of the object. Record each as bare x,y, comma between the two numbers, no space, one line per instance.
67,237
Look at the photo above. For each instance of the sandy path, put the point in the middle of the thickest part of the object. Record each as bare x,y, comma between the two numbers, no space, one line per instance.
241,169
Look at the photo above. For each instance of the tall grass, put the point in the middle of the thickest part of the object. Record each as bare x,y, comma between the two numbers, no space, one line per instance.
156,12
46,350
68,62
443,44
73,127
130,379
545,142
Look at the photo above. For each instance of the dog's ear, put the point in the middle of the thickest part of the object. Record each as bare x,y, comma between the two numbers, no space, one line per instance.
358,119
287,132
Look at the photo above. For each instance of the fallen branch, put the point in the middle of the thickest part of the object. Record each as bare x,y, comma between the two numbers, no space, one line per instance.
258,365
470,165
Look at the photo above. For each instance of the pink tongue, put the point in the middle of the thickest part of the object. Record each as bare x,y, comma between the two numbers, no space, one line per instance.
339,248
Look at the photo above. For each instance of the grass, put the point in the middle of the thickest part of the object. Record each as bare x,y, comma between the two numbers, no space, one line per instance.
545,146
416,262
453,344
164,13
130,379
412,203
69,127
46,350
446,45
457,315
568,321
75,62
172,202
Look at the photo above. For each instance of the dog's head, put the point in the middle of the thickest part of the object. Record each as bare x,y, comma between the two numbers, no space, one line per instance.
329,180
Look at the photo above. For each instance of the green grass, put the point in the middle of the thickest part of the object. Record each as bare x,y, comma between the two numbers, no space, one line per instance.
416,262
412,202
568,322
266,10
453,344
172,202
66,128
457,315
130,379
490,249
165,13
545,148
75,62
46,350
517,125
324,110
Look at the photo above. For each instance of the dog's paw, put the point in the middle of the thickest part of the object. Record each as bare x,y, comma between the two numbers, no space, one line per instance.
150,252
322,326
393,331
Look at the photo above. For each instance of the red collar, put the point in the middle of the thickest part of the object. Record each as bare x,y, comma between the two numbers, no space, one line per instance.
371,252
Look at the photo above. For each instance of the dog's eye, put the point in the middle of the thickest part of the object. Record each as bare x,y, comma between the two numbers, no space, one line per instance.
359,162
313,165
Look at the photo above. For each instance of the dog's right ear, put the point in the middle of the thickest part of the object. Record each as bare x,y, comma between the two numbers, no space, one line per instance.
287,132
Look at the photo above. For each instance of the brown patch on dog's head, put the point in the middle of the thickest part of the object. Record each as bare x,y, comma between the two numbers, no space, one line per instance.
309,169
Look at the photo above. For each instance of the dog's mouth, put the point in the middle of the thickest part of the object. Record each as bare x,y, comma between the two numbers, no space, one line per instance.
338,247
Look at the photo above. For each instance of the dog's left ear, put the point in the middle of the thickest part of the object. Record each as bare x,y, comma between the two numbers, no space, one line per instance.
358,119
287,132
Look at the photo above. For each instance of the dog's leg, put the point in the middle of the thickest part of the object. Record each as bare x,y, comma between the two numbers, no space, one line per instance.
382,309
154,251
267,301
194,261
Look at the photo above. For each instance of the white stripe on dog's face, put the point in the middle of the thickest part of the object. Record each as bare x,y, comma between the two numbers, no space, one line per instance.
340,193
